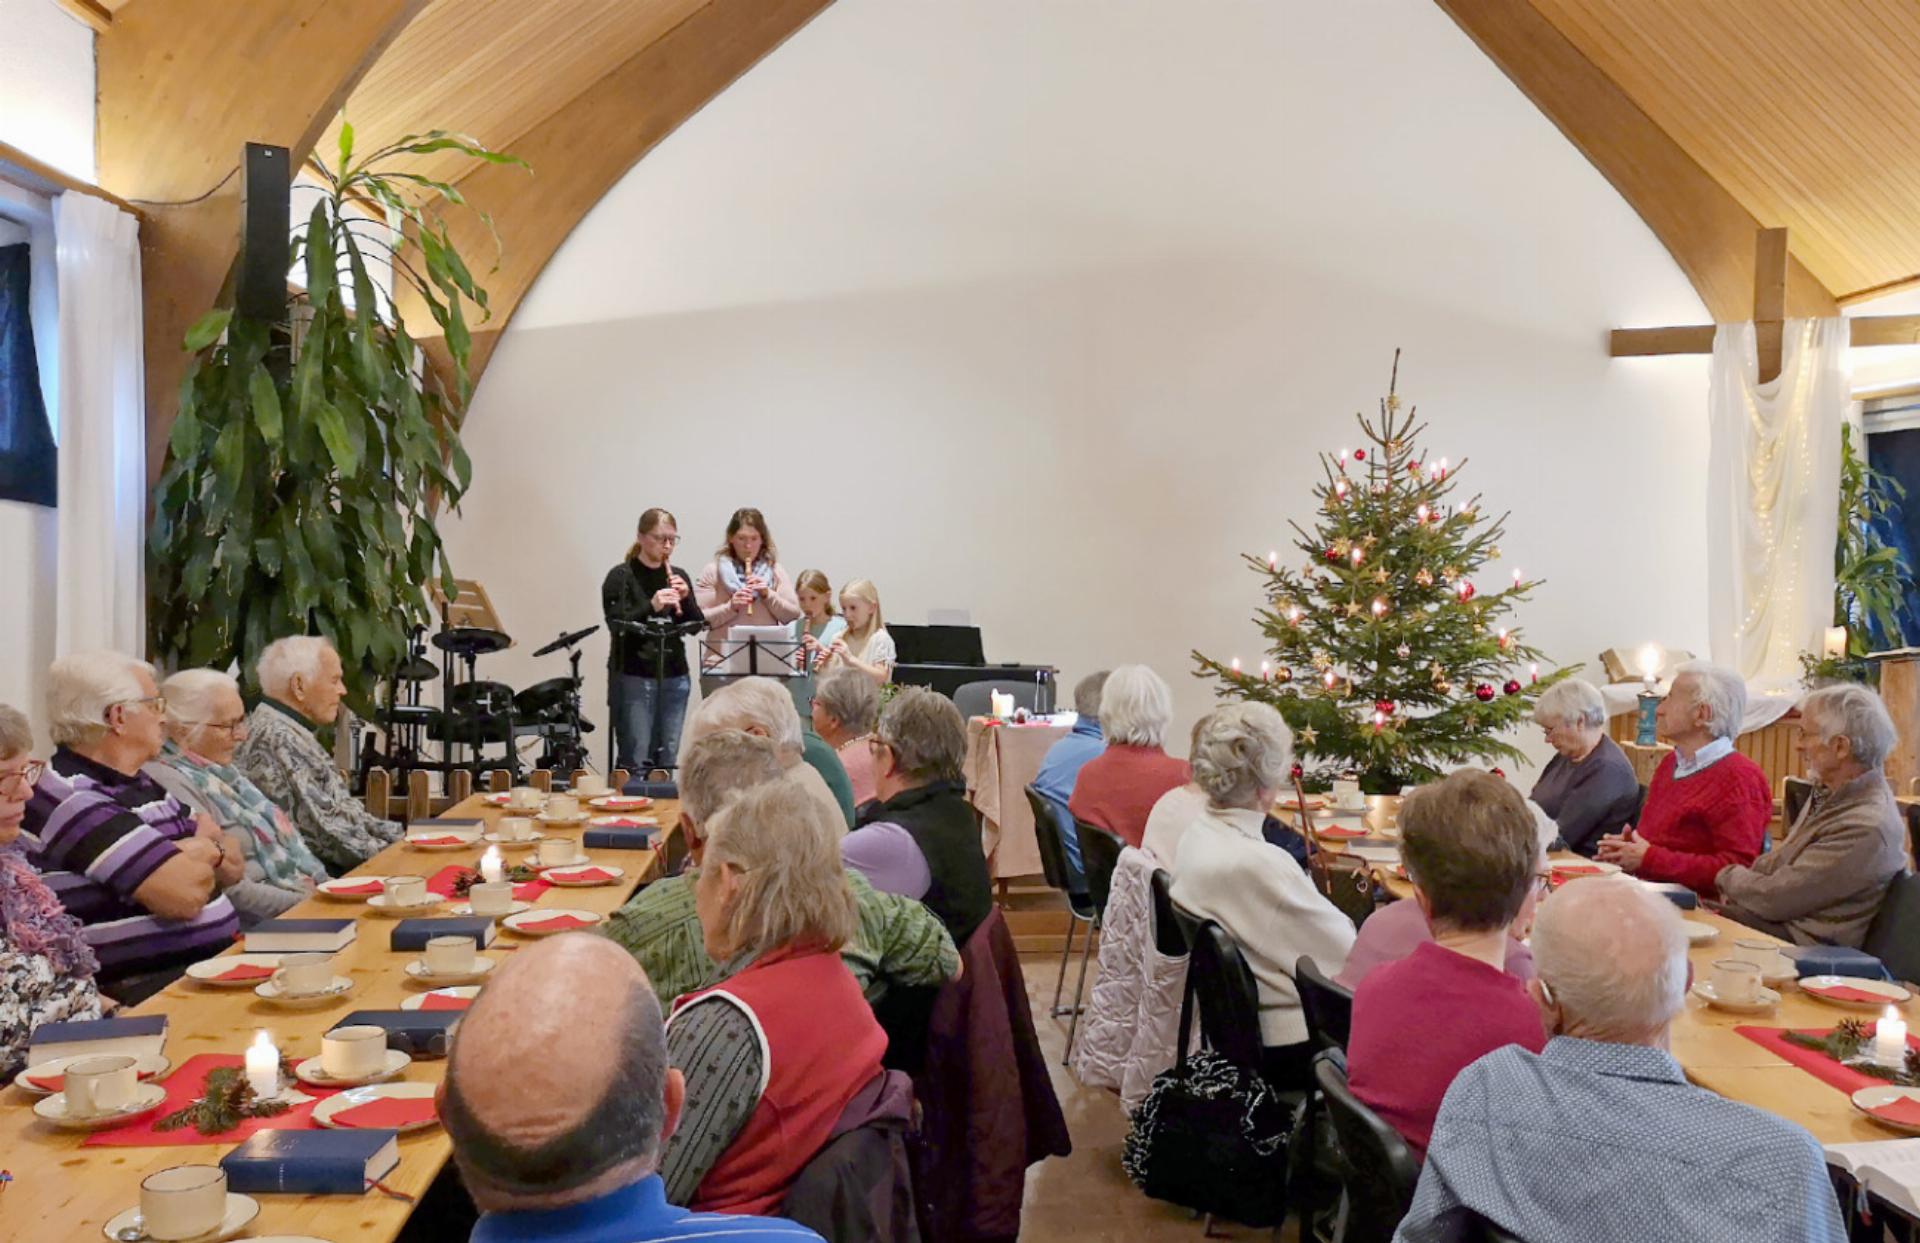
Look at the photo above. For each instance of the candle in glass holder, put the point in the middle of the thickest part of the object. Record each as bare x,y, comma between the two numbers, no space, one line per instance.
263,1065
1890,1040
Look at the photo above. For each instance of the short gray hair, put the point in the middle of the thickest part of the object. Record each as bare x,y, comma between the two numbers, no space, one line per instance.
1572,702
721,765
849,697
1613,955
1136,706
16,732
926,735
283,660
1240,749
1723,691
1852,711
1087,692
793,887
80,689
749,704
190,694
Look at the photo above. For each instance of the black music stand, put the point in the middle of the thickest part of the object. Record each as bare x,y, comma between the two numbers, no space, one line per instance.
777,663
658,632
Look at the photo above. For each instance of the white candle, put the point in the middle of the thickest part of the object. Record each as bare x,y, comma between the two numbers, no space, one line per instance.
491,870
263,1065
1649,663
1890,1040
1273,561
1236,666
1836,642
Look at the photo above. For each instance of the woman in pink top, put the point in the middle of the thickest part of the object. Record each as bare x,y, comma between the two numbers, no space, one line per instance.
1116,790
744,585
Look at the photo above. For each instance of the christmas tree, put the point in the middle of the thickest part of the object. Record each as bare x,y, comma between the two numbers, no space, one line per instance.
1385,655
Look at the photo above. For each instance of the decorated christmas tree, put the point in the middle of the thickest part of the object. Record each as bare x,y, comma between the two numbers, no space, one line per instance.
1385,654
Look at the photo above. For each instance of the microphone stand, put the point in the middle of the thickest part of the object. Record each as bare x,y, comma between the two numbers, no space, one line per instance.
658,632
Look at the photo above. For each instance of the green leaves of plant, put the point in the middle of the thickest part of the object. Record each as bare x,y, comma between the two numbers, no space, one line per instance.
265,399
207,329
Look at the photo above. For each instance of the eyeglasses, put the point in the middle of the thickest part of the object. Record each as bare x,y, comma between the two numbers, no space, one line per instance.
24,777
232,729
660,539
158,702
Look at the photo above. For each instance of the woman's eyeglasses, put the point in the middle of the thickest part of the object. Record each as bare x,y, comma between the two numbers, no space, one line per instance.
24,778
232,729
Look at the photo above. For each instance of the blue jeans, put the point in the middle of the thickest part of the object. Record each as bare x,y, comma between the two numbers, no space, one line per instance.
646,727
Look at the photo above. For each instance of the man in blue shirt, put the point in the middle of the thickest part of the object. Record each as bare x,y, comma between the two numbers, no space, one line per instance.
1600,1138
1063,762
558,1100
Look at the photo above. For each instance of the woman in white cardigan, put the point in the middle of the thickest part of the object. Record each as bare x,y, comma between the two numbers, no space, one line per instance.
1229,873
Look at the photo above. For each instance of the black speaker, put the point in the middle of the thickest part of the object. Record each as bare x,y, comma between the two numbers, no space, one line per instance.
260,280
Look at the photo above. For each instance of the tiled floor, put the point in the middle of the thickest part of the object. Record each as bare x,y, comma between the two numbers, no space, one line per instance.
1087,1196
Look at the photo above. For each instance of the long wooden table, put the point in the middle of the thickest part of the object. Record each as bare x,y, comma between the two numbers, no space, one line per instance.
62,1191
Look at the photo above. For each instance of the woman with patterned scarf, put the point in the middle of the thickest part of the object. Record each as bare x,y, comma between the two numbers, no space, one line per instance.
205,722
46,968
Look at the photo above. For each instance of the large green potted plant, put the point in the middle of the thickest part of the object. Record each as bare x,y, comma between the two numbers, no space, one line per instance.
304,477
1870,576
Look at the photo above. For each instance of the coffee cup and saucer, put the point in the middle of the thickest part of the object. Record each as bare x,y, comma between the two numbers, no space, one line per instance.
304,980
403,896
1775,967
1735,986
563,809
512,833
99,1092
558,852
449,960
185,1204
352,1056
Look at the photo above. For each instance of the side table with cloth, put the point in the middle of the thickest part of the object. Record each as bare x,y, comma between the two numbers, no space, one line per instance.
1131,1028
1002,760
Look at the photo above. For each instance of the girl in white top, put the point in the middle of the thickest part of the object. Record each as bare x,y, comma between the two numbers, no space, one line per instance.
865,645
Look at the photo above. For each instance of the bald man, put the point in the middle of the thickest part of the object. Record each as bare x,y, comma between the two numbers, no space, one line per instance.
558,1100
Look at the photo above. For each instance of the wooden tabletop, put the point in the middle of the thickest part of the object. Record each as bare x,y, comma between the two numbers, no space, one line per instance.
63,1191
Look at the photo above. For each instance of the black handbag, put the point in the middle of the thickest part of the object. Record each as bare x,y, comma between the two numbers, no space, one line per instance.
1211,1136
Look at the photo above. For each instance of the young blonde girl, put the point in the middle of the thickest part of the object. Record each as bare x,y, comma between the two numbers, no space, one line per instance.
866,645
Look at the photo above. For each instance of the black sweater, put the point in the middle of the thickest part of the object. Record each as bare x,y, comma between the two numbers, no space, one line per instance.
627,595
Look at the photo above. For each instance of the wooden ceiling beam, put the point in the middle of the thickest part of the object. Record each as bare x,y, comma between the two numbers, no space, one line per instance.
1707,231
581,151
181,92
92,12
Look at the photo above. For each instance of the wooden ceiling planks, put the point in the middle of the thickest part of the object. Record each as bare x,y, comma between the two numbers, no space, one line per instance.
1803,110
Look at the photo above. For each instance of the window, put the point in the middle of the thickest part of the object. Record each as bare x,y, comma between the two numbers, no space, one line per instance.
27,462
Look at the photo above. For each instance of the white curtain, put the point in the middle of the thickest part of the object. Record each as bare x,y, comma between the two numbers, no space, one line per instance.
100,591
1773,494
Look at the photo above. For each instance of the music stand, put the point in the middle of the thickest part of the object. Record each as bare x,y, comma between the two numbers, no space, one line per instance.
470,606
656,632
752,651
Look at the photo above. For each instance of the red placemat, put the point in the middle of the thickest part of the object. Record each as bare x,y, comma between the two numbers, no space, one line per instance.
441,882
184,1086
387,1112
440,1001
555,923
1813,1061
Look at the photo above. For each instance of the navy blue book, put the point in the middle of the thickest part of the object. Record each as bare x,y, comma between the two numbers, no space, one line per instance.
339,1162
419,1033
413,934
1681,896
91,1037
447,822
284,936
621,839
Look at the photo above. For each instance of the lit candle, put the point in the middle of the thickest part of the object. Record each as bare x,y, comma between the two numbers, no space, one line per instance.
1236,666
1266,671
1379,606
1340,489
1836,643
1890,1040
490,869
1359,554
1516,578
263,1065
1649,663
1379,720
1533,672
1273,561
1293,615
1421,514
1506,640
1343,457
1329,679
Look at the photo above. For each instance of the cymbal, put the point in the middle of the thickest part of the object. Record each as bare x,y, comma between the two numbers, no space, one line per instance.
565,641
471,641
417,669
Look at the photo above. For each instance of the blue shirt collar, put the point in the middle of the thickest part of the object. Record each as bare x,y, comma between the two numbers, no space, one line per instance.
635,1211
1087,726
1619,1061
1705,757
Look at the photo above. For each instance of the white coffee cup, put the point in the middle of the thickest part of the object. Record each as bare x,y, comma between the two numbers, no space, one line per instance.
451,955
184,1201
303,975
590,785
562,807
100,1085
514,828
491,899
1764,955
1346,794
557,851
406,890
354,1052
526,798
1736,981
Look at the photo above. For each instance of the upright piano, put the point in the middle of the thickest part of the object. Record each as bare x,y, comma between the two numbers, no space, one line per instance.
945,658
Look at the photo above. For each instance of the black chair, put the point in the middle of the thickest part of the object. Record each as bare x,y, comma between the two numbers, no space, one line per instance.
1168,936
1327,1006
1794,793
1894,936
1227,996
1099,855
1053,865
976,698
1913,830
1377,1169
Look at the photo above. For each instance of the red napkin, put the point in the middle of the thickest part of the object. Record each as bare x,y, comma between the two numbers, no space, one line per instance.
597,875
245,971
554,923
1847,992
440,1001
1904,1110
627,822
1341,834
436,841
58,1083
1576,869
365,887
623,804
386,1112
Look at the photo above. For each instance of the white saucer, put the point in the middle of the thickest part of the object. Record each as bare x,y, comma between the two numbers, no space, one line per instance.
511,843
516,923
466,908
554,876
311,1071
241,1210
1704,990
385,907
578,817
329,889
1887,994
465,840
151,1066
270,992
620,802
1576,869
324,1111
579,860
1866,1100
1375,854
417,971
1699,933
466,992
208,971
147,1097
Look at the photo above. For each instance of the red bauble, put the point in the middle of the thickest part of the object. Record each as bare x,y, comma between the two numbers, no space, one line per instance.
1499,772
1383,706
1512,687
1297,772
1332,555
1483,692
1466,589
1359,455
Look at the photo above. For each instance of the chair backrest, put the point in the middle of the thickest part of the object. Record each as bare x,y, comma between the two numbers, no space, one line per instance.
1894,936
1226,994
1913,831
1168,935
1099,853
541,779
1327,1006
976,698
499,780
1046,830
1794,793
1376,1166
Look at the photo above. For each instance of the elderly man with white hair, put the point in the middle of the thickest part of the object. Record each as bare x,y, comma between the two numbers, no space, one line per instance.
1116,790
1599,1138
1825,882
138,869
762,706
1708,806
301,679
1588,787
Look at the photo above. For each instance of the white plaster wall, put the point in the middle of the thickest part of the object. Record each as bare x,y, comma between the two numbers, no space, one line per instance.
46,85
1042,310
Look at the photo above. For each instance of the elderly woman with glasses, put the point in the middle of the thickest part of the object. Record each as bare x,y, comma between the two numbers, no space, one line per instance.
206,722
46,967
1588,787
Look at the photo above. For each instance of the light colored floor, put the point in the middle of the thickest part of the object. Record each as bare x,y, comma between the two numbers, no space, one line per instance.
1087,1196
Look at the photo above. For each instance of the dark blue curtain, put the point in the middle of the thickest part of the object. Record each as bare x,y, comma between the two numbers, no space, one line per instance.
27,471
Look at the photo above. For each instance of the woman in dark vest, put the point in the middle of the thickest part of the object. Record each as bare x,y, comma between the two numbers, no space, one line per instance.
648,700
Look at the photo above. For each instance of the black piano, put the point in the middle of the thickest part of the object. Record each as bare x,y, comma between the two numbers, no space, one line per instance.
945,658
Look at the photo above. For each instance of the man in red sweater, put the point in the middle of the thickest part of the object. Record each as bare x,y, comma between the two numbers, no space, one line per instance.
1708,806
